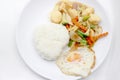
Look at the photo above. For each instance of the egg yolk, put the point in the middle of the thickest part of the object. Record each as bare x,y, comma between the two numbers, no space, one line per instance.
74,57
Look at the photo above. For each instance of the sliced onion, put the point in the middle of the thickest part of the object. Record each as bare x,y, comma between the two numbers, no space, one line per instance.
98,30
75,36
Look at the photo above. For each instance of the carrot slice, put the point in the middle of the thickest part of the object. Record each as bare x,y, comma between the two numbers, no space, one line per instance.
67,26
75,21
91,40
101,36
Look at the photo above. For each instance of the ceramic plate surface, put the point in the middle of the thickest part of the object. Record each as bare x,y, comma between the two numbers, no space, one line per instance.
37,12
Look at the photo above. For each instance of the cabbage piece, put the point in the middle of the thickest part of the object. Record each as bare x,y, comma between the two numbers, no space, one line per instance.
66,19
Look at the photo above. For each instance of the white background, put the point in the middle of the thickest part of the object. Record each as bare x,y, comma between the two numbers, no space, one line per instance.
12,67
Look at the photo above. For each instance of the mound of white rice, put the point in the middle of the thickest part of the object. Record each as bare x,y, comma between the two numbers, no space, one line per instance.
50,39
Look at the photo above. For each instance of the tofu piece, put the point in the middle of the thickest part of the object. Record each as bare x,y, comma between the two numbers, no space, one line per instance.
73,13
88,11
56,16
94,19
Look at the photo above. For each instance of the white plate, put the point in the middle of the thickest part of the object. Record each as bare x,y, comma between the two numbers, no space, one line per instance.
36,13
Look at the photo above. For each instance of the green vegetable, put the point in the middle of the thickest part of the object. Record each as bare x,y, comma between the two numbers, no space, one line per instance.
81,34
64,23
65,19
70,43
92,26
85,18
83,42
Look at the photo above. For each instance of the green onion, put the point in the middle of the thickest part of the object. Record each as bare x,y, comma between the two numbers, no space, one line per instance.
85,18
70,43
92,26
64,23
81,34
83,42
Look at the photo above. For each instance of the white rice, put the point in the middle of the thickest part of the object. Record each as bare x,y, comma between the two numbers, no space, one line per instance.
50,39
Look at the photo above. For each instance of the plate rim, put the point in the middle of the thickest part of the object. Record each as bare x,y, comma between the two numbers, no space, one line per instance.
37,73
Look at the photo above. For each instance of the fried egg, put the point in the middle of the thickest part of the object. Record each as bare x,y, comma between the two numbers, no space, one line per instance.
77,63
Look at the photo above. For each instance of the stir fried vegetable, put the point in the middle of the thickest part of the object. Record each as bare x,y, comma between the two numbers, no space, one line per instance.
83,42
81,22
70,43
85,18
75,22
92,26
